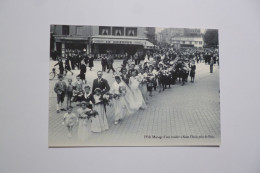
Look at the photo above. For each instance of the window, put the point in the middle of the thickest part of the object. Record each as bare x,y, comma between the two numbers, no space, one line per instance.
131,32
200,42
79,30
65,30
104,30
118,31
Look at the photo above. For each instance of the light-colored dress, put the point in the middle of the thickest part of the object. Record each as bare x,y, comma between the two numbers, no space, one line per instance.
138,97
84,124
121,106
70,119
143,85
100,121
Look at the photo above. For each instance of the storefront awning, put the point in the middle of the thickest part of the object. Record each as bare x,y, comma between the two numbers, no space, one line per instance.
122,41
148,45
69,39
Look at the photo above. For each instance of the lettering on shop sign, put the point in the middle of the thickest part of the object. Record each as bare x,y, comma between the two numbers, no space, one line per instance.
118,42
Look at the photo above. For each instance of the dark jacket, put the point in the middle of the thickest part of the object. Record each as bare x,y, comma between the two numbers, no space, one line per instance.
103,85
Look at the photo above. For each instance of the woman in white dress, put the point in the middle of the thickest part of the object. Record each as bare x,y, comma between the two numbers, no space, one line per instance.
137,94
142,78
121,105
99,106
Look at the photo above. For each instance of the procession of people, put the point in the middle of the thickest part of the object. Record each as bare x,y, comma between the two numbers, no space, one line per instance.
134,83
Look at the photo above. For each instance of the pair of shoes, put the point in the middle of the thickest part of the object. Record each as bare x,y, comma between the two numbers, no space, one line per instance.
116,122
63,109
58,111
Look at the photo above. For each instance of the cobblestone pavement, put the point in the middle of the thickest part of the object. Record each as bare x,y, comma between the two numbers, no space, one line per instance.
182,115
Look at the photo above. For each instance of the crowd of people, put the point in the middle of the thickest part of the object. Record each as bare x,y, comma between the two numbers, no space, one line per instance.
133,84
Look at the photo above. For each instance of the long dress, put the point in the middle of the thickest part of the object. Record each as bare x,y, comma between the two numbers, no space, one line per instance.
134,86
84,124
100,121
143,85
121,105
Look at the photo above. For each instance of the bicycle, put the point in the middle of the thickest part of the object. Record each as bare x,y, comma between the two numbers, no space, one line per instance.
53,73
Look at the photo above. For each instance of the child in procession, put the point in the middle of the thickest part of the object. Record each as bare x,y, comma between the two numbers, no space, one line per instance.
70,120
69,93
60,90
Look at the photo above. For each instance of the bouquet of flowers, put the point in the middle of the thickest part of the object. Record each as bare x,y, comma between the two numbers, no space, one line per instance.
90,114
122,90
116,96
105,99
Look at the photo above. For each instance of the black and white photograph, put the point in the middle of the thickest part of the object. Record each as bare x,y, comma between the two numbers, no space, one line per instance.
133,86
130,86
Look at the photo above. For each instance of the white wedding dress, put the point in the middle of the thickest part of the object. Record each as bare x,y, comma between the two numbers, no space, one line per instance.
137,94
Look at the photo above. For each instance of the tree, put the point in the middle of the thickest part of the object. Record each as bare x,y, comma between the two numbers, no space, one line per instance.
211,38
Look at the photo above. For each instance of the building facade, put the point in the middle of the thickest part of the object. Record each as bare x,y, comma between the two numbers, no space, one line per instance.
181,37
119,40
100,39
178,42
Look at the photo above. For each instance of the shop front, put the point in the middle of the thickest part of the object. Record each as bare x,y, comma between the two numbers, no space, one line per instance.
119,46
62,44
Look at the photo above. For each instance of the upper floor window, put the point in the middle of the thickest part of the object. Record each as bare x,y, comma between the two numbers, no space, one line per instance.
118,31
79,30
131,31
104,30
65,30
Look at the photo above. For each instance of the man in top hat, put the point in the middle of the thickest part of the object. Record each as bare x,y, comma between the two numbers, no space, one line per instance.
100,83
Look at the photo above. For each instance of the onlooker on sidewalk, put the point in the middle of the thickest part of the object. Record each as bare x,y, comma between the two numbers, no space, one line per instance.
110,61
211,64
104,63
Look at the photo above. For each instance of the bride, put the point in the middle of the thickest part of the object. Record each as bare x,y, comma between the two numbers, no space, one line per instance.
123,100
134,83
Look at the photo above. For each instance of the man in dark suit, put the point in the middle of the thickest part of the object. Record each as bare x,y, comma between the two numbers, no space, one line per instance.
100,83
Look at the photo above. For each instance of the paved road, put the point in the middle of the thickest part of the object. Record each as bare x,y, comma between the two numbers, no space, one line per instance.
188,114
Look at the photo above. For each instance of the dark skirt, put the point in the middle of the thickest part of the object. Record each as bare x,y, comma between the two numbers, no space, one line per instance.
192,73
67,67
91,64
149,86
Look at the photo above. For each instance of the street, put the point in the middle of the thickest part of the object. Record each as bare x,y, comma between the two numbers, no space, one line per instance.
182,115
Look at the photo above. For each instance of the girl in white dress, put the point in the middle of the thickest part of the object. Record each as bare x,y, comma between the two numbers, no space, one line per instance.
134,86
70,120
121,105
99,106
84,122
142,78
